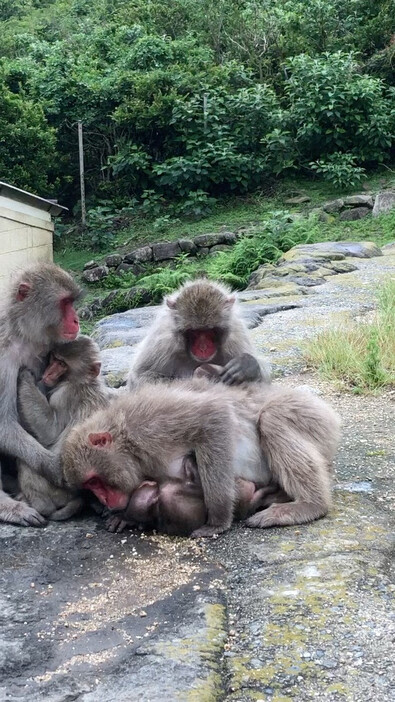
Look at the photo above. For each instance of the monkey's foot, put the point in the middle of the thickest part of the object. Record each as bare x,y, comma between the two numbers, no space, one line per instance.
207,530
20,513
286,514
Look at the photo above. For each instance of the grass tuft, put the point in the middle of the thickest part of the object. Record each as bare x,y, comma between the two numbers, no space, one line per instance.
361,357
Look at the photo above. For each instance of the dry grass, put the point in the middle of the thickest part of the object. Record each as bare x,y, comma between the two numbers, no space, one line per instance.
361,357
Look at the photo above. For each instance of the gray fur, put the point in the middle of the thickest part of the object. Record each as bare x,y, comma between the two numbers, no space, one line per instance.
28,330
78,393
268,435
201,304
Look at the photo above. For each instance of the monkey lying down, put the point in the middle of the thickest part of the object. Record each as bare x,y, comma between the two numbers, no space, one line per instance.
281,437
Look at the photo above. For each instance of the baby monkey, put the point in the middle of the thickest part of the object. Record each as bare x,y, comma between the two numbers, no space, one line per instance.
74,390
176,506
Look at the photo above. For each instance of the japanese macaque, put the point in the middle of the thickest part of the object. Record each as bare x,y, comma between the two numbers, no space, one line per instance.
280,436
75,390
176,505
37,312
201,323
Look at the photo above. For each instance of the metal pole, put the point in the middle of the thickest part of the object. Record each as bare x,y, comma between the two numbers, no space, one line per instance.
82,181
205,100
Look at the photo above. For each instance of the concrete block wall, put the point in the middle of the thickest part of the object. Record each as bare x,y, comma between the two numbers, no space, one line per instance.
26,236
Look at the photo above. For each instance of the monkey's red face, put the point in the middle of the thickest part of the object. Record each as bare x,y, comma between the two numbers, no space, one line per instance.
202,344
70,325
108,496
54,371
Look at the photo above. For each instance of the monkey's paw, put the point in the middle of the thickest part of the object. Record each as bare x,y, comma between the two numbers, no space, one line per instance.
275,515
207,531
116,525
20,513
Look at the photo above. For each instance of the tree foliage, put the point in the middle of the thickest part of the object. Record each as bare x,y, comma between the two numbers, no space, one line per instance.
183,101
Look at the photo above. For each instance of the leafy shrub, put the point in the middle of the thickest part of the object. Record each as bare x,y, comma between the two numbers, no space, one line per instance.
339,169
335,108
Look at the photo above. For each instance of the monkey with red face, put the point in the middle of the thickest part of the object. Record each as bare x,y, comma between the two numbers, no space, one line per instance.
283,437
37,313
201,323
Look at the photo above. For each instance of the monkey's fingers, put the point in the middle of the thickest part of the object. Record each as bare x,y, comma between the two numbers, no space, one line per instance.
27,516
116,525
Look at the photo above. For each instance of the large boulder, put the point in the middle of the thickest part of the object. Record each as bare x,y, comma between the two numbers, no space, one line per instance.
332,250
113,260
384,202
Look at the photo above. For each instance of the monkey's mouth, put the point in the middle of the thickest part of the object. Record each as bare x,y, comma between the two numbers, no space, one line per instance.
202,344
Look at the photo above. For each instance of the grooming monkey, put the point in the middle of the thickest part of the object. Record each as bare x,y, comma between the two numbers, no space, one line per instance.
285,437
201,323
37,313
76,390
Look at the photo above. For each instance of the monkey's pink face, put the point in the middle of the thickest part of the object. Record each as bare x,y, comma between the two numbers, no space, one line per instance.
108,496
202,344
70,325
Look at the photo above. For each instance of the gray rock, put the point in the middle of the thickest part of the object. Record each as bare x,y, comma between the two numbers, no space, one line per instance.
306,280
165,250
113,260
134,268
359,201
230,238
333,206
300,200
93,275
90,264
139,296
332,250
142,255
341,266
204,251
187,246
212,239
384,202
354,214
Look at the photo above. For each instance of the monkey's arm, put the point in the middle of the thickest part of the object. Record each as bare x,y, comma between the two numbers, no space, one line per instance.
214,458
14,440
35,411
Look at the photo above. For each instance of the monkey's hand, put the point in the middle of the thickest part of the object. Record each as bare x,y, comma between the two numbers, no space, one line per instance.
116,524
25,375
244,368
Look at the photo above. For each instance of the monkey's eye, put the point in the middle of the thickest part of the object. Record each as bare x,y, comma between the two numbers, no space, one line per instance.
93,483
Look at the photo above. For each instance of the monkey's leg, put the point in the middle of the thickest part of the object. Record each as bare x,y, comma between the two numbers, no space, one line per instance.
70,510
299,468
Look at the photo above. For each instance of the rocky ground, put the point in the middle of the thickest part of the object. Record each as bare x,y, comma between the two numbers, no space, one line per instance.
298,613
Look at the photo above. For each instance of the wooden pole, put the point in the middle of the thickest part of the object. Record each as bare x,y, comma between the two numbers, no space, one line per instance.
82,180
205,101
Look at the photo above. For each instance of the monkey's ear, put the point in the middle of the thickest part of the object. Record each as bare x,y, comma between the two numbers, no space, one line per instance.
23,291
101,439
171,302
229,302
95,369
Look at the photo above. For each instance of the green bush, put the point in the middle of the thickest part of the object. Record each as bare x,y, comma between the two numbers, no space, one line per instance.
336,109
